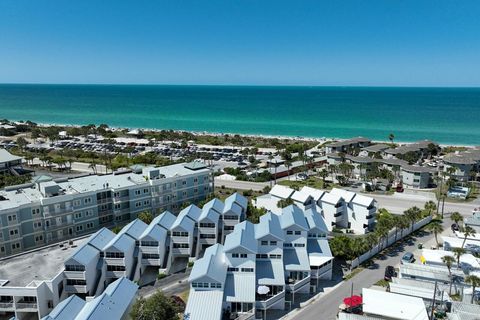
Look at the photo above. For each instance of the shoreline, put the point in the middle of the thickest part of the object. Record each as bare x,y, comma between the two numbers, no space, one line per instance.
260,136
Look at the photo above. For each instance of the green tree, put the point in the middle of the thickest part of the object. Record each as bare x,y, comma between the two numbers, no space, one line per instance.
467,232
474,281
145,216
323,174
456,217
430,207
448,261
284,203
156,307
22,143
391,137
413,214
435,227
458,252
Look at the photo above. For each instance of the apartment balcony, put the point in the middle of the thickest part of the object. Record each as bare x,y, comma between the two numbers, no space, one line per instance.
181,251
151,262
76,289
15,236
269,300
121,199
230,222
26,306
77,275
7,306
58,212
121,211
316,273
116,274
293,284
115,261
243,316
103,201
211,241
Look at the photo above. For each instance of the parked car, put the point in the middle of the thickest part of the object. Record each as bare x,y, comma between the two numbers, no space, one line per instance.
302,176
390,273
407,258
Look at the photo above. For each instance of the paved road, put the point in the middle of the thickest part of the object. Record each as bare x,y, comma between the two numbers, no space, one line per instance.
241,185
327,305
172,285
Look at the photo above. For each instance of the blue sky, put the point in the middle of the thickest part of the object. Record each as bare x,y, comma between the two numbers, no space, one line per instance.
257,42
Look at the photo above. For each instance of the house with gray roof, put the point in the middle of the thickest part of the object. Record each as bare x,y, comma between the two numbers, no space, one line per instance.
466,164
120,258
8,161
347,145
182,238
234,211
208,230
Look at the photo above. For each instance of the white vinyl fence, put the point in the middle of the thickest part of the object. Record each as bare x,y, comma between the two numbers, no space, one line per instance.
391,240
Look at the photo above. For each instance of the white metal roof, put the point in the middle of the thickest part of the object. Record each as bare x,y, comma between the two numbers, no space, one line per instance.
281,192
135,229
204,304
270,272
6,156
296,259
101,238
66,309
213,265
394,306
315,193
121,242
346,195
331,198
435,256
240,287
269,225
301,197
315,220
363,200
165,220
293,216
243,236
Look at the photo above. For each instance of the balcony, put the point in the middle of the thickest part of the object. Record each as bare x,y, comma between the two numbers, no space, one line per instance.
27,306
269,301
151,262
76,289
116,274
243,316
293,284
104,200
58,212
78,275
120,199
7,306
181,251
115,261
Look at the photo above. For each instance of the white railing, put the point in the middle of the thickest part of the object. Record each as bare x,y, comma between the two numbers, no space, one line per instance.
26,305
74,274
76,289
6,305
264,304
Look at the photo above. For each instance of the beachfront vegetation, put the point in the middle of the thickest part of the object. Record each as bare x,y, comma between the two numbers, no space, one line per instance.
10,180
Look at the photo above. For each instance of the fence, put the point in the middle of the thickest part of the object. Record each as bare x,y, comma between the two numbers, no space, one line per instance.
393,236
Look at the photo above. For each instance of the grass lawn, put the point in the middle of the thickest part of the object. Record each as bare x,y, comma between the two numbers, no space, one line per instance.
313,182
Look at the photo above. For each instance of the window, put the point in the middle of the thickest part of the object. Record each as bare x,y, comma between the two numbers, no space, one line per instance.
264,243
87,200
287,245
243,255
146,202
273,243
261,256
74,268
230,269
180,234
88,213
78,215
76,203
138,192
297,233
195,179
299,245
79,228
12,218
207,225
275,256
115,255
180,245
184,182
150,256
235,255
247,269
228,228
115,268
138,204
230,217
90,225
13,232
76,282
39,238
207,236
149,243
15,246
145,190
35,211
289,232
37,224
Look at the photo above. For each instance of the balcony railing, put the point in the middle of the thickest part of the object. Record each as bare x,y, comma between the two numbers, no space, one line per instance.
76,289
294,284
6,305
26,305
151,262
271,300
80,275
116,274
115,261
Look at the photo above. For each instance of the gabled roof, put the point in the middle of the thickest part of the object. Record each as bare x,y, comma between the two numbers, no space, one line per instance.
270,272
269,225
213,265
209,214
165,220
331,198
66,309
214,204
197,299
121,242
154,231
84,255
301,196
315,220
192,211
293,216
315,193
243,236
6,156
183,221
282,192
135,229
101,238
113,303
233,207
296,259
237,198
346,195
363,200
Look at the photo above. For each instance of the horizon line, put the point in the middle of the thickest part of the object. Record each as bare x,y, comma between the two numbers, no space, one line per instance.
241,85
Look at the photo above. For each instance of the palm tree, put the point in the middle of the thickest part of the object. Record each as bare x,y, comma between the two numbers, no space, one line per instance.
288,164
458,252
391,136
401,223
474,281
456,217
430,206
371,240
323,174
413,214
467,232
449,260
93,166
435,227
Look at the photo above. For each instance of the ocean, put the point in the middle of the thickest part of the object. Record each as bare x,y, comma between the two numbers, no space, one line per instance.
445,115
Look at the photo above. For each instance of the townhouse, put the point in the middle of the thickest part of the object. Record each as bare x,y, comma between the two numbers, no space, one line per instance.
466,164
261,267
85,267
114,303
348,145
360,210
48,210
234,211
8,161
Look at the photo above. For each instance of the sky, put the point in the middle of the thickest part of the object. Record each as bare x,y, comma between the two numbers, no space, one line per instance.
241,42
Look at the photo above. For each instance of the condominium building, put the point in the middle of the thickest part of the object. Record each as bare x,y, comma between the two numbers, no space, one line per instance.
49,211
8,161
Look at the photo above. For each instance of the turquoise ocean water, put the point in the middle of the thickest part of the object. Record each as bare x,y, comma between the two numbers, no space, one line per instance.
446,115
